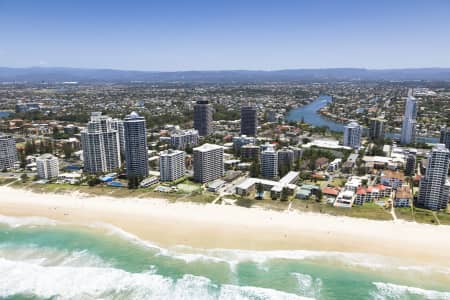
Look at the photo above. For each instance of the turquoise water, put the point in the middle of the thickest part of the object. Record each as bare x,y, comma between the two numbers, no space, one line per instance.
41,259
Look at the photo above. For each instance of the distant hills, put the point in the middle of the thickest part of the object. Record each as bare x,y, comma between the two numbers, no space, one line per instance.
49,74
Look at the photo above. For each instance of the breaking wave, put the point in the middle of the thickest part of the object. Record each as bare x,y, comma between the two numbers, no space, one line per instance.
67,282
387,291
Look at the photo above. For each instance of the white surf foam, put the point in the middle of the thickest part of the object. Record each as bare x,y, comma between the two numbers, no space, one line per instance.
307,285
234,256
109,283
15,222
45,256
393,291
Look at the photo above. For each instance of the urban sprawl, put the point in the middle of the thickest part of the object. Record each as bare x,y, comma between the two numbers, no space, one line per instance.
236,144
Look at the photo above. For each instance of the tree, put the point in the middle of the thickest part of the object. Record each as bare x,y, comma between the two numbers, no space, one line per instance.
22,158
255,169
133,182
24,177
284,194
93,180
30,148
319,195
68,150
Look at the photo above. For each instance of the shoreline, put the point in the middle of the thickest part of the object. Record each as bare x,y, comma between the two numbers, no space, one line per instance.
230,227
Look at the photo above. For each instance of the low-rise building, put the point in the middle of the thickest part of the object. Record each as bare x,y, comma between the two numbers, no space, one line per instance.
334,165
394,179
70,178
345,199
182,139
47,166
403,197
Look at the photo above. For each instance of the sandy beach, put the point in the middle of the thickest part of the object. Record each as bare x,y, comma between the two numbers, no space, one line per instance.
219,226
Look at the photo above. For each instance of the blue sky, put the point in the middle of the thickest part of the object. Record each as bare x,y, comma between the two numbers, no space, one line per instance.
229,34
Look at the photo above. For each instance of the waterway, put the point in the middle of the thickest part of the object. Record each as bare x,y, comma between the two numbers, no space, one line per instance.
4,114
309,114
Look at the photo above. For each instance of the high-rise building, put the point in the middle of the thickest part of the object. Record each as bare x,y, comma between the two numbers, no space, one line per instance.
250,152
47,166
203,116
118,125
208,163
445,136
136,150
183,139
100,144
352,135
410,164
172,165
377,128
409,121
8,152
249,120
269,162
434,187
286,158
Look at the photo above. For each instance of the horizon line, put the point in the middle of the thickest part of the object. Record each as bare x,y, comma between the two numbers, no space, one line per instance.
227,70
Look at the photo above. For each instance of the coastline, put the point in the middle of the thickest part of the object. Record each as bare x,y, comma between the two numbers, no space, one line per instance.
230,227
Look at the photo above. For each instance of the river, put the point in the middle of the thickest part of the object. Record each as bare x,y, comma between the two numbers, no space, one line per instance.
4,114
309,113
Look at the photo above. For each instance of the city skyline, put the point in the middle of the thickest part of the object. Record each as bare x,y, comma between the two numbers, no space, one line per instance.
255,35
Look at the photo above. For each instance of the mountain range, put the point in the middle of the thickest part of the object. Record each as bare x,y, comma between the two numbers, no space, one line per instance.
62,74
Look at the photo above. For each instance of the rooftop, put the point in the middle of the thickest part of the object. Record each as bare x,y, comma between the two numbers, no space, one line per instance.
207,147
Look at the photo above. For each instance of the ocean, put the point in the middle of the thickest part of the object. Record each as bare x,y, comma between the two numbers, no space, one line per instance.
44,259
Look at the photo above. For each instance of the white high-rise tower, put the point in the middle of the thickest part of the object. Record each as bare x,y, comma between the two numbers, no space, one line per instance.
352,135
434,188
409,121
101,146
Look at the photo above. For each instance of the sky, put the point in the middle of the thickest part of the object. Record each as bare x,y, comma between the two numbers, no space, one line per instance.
176,35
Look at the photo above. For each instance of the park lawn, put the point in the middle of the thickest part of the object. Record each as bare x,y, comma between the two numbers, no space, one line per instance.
6,180
424,216
366,211
404,213
444,218
338,182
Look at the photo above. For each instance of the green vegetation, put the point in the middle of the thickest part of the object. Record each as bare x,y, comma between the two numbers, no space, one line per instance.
367,211
424,216
404,213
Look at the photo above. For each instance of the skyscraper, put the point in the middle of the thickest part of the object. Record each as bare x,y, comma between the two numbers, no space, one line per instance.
136,150
376,128
118,125
8,152
352,135
171,165
208,163
409,121
285,160
269,162
445,136
249,120
434,187
100,143
410,164
203,116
